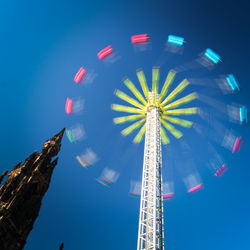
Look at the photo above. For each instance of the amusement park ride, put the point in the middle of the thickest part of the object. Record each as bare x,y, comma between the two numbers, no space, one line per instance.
155,113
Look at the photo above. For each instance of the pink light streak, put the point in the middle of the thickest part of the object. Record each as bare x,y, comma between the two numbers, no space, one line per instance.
168,196
195,188
237,145
80,75
221,170
68,106
105,52
143,38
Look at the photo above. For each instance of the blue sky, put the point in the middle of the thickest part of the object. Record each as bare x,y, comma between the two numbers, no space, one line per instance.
43,45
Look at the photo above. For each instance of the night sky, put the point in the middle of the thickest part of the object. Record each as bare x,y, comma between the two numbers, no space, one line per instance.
44,43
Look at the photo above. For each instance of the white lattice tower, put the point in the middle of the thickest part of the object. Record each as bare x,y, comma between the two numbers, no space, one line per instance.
151,233
154,113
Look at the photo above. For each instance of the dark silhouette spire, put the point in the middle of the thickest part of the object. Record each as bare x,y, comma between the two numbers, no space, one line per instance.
22,192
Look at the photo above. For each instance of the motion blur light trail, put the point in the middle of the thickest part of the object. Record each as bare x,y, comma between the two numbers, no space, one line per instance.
175,40
232,82
135,189
221,170
88,158
237,145
80,75
75,133
108,177
210,54
140,39
68,106
104,53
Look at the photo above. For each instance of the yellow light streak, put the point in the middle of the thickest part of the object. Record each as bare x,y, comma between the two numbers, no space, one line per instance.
181,122
134,90
181,101
129,118
128,99
132,127
127,109
164,138
186,111
168,82
155,81
140,134
172,129
143,83
176,91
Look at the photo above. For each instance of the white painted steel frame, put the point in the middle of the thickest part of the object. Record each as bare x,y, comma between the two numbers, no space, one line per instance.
151,232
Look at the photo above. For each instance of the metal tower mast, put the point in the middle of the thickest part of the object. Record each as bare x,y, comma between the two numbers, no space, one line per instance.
151,233
153,113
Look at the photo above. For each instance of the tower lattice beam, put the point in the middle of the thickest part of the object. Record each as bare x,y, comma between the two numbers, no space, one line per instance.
151,232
